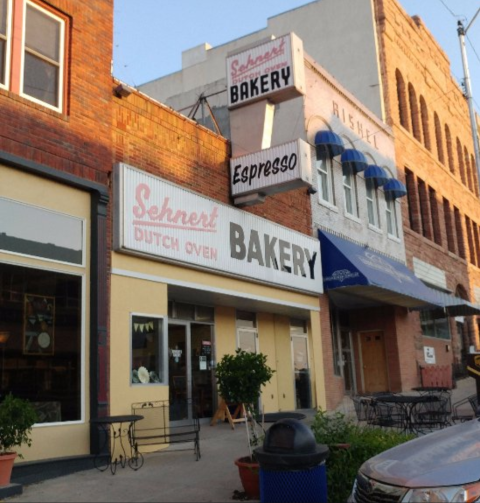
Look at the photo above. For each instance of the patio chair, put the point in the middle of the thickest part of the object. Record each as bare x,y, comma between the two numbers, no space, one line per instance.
362,407
462,409
387,415
432,414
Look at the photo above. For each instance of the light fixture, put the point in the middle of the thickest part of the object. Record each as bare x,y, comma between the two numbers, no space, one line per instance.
249,199
123,90
311,191
4,336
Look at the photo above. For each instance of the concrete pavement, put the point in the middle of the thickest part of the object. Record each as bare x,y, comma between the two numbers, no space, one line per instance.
172,475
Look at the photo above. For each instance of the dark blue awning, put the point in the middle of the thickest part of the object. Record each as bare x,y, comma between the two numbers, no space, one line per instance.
356,276
354,159
328,144
395,188
377,174
453,306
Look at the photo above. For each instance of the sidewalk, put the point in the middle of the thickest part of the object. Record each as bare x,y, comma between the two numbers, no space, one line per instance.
173,476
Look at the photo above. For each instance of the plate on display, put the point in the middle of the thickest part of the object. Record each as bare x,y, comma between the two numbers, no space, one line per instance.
43,340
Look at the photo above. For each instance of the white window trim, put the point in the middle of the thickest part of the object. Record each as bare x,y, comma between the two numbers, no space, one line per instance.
393,213
353,191
61,66
374,202
163,321
328,163
8,46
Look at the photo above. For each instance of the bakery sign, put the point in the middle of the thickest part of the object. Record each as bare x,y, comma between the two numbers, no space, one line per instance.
165,221
272,70
277,169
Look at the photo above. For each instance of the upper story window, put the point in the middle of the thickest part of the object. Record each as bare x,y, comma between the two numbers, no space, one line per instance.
392,223
350,192
32,52
372,203
325,181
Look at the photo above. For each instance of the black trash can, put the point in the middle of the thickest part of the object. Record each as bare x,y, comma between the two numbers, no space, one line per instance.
292,465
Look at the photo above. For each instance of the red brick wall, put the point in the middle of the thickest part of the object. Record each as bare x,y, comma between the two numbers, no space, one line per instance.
79,140
153,137
407,46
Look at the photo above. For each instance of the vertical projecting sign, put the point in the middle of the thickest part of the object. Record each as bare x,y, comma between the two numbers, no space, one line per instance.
166,221
273,70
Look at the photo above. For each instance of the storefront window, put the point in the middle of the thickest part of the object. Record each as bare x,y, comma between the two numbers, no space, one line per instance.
41,233
41,340
148,350
434,327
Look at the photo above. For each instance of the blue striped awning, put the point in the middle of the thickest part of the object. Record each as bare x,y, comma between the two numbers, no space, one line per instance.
328,144
377,174
395,188
353,159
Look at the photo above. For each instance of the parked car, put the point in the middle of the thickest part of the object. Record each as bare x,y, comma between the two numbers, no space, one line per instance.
443,466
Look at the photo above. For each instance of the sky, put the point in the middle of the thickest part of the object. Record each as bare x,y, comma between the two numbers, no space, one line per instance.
150,35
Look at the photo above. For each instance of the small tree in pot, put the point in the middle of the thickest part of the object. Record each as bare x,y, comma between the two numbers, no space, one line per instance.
17,416
240,378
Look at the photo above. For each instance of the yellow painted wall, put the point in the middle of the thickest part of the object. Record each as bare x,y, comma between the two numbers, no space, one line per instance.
150,297
316,356
286,389
130,295
266,345
53,441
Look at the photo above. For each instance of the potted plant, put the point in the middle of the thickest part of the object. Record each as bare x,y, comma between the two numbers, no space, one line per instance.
240,378
17,416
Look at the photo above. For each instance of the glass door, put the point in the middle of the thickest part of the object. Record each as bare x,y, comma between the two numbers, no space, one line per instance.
201,364
178,372
190,370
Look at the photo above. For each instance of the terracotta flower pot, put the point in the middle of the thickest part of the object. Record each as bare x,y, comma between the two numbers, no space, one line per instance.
6,465
250,476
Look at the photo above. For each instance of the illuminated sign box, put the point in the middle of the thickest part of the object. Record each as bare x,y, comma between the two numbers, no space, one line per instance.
270,171
273,70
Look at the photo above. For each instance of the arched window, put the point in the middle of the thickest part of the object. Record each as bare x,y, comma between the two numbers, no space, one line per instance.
448,141
402,100
461,165
414,114
475,174
468,169
438,139
425,125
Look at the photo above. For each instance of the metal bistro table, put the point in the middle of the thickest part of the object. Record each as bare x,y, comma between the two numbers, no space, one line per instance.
407,404
118,439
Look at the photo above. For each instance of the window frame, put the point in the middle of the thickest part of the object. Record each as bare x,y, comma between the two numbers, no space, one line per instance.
162,345
391,217
371,195
8,45
350,192
325,173
61,64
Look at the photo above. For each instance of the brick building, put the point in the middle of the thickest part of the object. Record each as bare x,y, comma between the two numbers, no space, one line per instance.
366,52
83,307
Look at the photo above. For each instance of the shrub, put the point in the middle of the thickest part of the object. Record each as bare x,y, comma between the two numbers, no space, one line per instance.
364,442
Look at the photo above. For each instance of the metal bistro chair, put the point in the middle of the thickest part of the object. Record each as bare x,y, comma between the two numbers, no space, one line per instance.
387,414
433,414
462,409
362,407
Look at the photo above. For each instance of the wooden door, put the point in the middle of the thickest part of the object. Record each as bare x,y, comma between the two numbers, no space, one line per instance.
374,362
